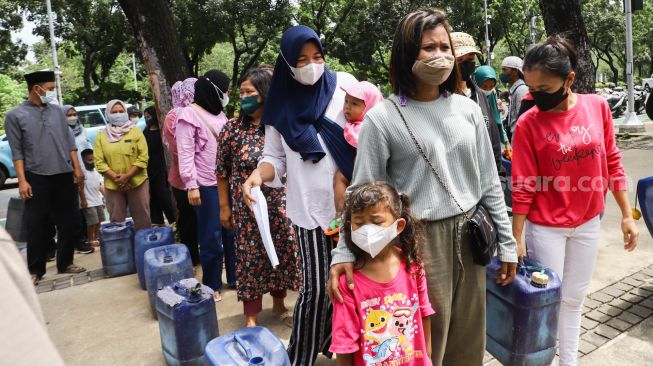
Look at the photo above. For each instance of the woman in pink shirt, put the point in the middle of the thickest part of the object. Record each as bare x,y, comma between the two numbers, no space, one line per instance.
564,161
198,126
183,93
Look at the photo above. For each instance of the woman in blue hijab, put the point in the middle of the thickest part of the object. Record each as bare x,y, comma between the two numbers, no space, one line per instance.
304,147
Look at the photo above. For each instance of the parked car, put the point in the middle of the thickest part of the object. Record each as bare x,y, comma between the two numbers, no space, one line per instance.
91,117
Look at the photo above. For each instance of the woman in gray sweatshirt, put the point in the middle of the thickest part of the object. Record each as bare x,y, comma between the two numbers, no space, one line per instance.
451,130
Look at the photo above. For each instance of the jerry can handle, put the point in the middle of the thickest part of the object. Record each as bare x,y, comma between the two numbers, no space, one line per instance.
526,270
251,361
167,258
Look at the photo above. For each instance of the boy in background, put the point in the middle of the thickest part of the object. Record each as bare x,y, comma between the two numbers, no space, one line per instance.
93,202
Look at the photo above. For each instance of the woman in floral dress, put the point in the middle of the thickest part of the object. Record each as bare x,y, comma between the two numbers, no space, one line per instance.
241,147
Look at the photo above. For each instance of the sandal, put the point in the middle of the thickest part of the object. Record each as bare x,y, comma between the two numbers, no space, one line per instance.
217,297
36,279
286,318
94,243
73,268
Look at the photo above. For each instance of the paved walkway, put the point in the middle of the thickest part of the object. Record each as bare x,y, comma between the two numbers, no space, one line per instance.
107,321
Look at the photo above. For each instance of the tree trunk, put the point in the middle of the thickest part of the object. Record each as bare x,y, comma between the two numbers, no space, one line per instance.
160,47
88,68
564,16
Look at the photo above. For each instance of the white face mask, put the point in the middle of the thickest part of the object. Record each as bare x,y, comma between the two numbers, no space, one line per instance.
118,119
306,75
72,121
222,96
487,93
373,238
134,119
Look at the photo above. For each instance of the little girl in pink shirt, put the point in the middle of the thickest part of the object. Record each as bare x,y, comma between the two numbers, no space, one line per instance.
385,319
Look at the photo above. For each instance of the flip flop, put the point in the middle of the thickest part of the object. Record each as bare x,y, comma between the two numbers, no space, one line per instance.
73,268
217,297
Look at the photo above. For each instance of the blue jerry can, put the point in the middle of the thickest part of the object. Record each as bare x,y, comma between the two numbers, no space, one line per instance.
247,347
187,322
163,267
645,198
117,248
146,239
522,318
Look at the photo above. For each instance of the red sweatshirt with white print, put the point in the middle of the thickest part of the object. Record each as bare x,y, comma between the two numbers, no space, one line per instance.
565,162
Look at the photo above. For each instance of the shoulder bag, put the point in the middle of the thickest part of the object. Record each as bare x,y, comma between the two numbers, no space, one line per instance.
479,228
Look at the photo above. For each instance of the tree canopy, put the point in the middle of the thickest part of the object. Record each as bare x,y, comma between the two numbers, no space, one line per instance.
96,42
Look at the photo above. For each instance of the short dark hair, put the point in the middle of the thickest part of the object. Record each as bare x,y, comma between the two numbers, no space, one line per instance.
87,152
31,85
406,46
556,56
260,77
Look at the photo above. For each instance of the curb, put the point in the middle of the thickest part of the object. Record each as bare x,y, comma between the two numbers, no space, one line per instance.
69,281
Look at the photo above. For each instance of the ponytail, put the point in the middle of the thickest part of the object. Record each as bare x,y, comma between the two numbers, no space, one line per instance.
556,56
410,238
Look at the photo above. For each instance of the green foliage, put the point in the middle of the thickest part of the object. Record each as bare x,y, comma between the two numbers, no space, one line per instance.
511,24
642,40
95,55
12,93
605,24
94,30
250,26
11,53
198,31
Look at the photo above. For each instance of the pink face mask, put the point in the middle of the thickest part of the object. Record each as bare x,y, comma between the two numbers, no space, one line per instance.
368,93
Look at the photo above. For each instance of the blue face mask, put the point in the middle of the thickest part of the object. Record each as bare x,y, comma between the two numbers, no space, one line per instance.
50,96
250,104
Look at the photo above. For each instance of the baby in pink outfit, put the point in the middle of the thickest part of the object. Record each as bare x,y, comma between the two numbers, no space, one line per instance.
360,98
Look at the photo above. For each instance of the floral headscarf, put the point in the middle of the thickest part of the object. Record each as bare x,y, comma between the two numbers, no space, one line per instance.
183,93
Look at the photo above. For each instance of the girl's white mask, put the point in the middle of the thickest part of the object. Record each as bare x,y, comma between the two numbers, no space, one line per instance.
373,238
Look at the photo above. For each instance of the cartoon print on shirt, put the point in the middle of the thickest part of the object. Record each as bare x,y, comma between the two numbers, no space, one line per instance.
402,326
390,329
376,326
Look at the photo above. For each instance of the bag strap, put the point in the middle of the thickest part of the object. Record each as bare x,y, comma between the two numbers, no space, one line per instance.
428,161
205,123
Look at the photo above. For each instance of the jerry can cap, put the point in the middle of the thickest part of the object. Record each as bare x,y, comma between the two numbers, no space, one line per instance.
539,279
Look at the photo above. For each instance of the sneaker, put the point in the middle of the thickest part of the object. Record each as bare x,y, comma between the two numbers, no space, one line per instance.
84,249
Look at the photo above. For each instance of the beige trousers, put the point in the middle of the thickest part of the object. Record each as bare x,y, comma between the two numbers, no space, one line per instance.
138,201
457,293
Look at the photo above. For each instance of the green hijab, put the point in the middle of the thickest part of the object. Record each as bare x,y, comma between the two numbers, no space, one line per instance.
481,75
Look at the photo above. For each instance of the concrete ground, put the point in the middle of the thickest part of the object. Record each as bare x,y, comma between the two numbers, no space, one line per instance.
632,348
108,322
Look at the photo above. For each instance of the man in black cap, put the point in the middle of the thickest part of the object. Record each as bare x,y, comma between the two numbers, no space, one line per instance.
49,174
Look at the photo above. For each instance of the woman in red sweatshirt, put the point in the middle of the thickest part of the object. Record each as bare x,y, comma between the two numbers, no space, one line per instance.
565,159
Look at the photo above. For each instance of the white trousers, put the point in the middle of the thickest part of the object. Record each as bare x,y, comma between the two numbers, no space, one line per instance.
571,253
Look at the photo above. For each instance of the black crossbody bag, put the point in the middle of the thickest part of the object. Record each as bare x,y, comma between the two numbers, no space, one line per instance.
480,227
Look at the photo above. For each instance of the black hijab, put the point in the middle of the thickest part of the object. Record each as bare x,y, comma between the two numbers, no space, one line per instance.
210,89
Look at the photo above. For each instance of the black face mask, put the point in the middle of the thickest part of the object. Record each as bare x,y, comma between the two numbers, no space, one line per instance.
151,122
467,68
546,101
89,166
